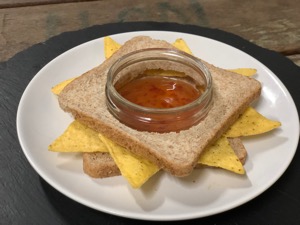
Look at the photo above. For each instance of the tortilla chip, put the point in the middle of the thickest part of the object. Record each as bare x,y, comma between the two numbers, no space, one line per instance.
136,170
59,87
221,155
251,123
182,45
110,46
78,138
244,71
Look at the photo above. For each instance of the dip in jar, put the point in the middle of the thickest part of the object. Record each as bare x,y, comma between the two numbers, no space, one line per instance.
159,90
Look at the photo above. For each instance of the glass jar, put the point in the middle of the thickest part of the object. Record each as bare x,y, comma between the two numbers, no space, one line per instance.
186,67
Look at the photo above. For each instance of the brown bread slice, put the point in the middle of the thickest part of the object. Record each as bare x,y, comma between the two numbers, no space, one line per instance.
176,153
101,164
239,149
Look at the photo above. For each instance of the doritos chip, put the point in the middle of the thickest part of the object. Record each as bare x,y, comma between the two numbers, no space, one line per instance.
58,88
244,71
221,155
181,45
78,138
135,169
251,123
110,46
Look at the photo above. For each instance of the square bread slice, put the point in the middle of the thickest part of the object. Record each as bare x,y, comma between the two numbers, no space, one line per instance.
177,153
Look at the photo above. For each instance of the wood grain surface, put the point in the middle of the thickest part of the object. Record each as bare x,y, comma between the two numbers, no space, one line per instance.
274,25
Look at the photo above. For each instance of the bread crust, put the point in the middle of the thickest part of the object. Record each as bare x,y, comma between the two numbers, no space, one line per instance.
99,165
238,148
176,153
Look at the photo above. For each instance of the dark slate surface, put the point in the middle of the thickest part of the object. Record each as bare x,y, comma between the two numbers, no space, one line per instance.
25,198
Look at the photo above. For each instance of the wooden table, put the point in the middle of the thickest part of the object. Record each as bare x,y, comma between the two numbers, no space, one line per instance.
274,25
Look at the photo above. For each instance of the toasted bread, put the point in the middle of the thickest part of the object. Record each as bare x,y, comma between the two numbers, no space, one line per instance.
176,153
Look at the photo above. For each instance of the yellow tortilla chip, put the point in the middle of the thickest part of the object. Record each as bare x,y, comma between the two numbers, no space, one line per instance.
182,45
110,46
59,87
221,155
135,169
244,71
78,138
251,123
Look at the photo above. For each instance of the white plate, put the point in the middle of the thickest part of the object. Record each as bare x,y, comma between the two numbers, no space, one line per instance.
206,192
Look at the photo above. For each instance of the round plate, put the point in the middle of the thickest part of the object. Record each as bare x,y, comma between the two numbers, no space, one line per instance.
206,191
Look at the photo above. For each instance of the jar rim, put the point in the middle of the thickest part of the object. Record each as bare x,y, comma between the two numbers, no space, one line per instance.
159,54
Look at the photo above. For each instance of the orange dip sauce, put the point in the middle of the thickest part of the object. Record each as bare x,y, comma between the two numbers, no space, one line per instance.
159,92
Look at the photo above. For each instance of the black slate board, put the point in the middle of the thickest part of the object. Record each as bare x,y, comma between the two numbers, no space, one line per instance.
25,198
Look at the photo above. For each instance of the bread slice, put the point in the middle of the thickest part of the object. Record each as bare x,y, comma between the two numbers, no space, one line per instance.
239,149
174,152
101,164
